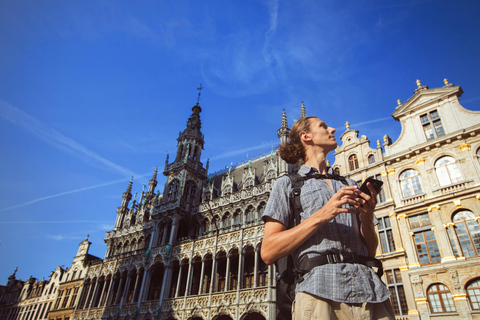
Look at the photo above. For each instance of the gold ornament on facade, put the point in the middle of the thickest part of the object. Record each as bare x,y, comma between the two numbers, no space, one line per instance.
391,171
465,147
347,125
419,84
433,207
420,161
399,102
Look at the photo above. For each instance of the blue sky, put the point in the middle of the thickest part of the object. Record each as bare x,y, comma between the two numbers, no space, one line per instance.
95,92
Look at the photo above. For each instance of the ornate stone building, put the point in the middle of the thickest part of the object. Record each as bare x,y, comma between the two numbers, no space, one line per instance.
192,252
56,298
429,209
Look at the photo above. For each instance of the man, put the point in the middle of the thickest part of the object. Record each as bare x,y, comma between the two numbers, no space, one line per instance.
337,221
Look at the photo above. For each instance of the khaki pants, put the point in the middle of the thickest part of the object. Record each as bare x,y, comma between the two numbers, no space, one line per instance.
309,307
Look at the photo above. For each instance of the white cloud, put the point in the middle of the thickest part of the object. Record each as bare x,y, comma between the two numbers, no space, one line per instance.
65,193
56,138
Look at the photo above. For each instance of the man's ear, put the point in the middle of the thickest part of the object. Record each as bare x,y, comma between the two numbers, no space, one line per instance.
305,136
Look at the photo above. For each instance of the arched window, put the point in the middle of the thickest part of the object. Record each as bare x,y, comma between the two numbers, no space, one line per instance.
353,162
173,190
221,271
473,292
196,269
155,282
410,183
249,214
233,274
467,231
248,267
478,154
371,159
440,299
262,279
226,221
260,211
447,171
336,170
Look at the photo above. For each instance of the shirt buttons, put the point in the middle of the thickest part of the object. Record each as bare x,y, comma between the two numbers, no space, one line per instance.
344,231
354,275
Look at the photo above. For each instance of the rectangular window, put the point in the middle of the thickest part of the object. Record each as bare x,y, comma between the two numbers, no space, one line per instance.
427,248
421,220
57,303
74,297
395,285
65,300
386,235
432,125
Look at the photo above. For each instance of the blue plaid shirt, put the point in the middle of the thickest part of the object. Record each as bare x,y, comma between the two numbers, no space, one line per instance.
341,282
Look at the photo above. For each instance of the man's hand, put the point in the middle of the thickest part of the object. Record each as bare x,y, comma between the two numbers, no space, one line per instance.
366,206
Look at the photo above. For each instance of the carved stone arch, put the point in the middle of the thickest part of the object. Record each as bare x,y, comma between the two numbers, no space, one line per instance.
253,312
249,214
158,258
248,245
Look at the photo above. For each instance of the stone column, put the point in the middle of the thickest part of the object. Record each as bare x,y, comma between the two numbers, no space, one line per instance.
408,242
110,289
451,225
94,294
446,251
255,268
397,237
117,298
214,272
200,284
135,288
125,290
180,270
189,278
227,274
240,269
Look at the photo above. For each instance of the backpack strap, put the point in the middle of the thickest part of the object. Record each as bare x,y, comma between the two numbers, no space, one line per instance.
297,183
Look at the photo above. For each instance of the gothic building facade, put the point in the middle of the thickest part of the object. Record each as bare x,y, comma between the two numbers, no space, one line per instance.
193,251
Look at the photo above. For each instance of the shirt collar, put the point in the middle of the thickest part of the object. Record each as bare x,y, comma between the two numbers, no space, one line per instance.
304,170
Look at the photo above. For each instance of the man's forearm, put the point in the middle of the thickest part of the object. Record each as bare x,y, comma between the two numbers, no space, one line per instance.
369,238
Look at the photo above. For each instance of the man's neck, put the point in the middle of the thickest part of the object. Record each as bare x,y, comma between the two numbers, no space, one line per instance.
317,161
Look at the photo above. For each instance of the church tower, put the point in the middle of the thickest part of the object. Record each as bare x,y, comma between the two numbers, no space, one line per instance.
184,183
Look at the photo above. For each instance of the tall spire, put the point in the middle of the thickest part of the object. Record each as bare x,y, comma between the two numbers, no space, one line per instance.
153,182
127,195
302,111
284,130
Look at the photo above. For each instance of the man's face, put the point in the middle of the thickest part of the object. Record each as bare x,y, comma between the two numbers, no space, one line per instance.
322,135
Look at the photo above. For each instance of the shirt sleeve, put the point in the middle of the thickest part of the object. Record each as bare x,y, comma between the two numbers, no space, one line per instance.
279,202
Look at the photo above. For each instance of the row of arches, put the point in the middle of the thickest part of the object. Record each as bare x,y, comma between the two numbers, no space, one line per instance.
224,271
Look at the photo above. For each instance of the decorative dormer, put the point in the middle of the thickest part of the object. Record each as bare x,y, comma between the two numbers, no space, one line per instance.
270,167
249,176
227,183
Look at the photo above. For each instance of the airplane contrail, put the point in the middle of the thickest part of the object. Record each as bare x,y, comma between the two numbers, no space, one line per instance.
54,137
